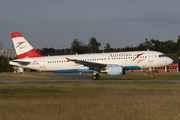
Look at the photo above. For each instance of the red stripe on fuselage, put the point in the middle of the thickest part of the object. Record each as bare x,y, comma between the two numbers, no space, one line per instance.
16,34
30,54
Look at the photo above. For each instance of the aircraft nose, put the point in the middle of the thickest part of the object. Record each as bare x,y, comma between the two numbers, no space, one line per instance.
169,61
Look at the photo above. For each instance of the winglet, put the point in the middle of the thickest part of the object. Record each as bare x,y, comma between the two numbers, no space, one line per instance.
68,59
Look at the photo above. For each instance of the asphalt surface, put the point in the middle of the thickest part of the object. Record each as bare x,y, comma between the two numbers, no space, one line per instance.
80,78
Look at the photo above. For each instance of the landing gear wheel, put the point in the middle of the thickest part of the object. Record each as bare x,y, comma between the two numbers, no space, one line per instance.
98,77
151,76
94,77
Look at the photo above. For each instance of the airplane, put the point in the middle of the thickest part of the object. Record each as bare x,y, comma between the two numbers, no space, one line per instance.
114,63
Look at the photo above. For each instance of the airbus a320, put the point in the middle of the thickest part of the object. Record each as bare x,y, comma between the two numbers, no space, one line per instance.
115,63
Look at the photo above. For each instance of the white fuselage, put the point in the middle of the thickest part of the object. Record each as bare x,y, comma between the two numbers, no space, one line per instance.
129,60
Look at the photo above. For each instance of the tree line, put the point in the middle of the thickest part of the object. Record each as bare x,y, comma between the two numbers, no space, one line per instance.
4,64
167,47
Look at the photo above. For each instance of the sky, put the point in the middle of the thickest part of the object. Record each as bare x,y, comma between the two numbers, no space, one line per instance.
121,23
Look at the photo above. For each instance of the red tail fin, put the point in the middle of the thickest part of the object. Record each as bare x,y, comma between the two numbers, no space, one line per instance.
22,47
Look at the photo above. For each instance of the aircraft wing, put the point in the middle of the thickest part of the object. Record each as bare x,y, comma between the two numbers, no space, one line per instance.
91,65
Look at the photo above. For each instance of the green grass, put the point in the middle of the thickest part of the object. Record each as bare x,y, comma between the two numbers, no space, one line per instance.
90,101
32,75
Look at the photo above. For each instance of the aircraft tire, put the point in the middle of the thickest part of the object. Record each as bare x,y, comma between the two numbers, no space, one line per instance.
98,77
94,77
151,76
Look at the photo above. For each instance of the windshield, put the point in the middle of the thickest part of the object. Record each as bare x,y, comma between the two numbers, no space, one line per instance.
162,55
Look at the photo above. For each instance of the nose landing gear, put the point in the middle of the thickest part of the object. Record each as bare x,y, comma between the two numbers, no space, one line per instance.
151,70
151,76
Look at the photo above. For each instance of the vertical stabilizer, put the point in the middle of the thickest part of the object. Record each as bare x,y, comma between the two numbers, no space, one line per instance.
22,47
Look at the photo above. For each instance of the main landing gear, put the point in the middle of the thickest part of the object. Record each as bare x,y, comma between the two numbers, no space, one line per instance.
96,75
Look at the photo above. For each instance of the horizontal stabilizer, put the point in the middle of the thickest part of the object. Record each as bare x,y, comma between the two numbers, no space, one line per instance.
23,63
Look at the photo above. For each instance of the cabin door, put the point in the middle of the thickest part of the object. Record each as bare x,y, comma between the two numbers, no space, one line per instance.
42,63
150,57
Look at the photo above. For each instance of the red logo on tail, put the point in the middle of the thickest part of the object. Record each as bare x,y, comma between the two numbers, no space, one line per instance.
20,43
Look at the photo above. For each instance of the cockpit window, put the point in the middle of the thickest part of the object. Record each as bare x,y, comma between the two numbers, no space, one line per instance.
163,55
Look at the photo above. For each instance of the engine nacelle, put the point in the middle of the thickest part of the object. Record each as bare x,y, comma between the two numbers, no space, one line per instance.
115,70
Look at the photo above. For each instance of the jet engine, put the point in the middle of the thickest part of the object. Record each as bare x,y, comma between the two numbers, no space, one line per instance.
115,70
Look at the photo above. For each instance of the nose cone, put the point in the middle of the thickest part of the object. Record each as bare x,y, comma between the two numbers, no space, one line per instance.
169,61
